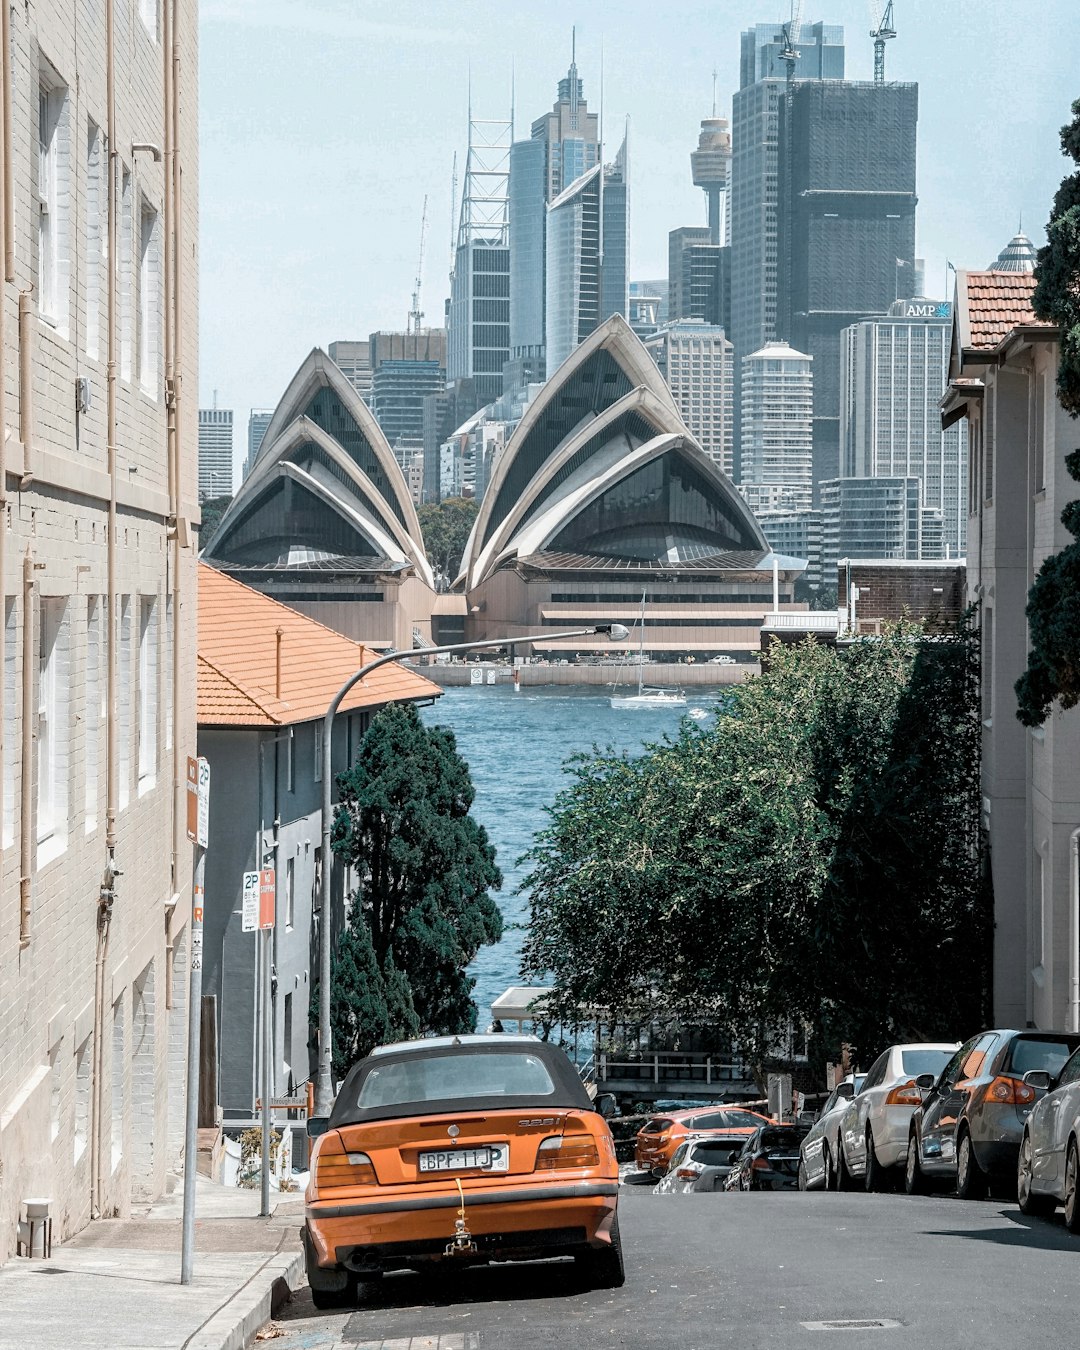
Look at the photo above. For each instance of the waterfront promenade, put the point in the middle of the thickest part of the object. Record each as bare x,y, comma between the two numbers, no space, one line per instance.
699,674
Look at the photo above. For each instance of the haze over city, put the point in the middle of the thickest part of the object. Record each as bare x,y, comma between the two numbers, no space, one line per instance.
319,146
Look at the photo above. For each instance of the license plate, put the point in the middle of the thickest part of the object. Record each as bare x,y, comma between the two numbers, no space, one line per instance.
489,1158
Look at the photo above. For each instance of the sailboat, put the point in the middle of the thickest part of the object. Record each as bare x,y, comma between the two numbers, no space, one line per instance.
647,696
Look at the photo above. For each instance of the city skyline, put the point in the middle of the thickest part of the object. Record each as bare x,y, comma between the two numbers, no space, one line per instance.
295,193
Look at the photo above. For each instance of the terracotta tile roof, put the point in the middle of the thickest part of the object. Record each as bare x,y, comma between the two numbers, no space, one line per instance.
997,302
237,661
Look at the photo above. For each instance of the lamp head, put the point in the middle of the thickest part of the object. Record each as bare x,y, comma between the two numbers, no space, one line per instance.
617,632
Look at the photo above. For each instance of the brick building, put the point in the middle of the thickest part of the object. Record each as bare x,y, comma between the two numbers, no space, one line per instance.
98,475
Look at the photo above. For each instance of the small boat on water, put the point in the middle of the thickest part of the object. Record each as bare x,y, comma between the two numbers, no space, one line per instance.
648,696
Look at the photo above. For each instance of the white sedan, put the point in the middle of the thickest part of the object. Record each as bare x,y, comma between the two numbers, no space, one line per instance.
874,1128
819,1150
1048,1171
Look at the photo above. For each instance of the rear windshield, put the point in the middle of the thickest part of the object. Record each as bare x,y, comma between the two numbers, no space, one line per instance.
779,1140
1044,1052
717,1152
657,1126
454,1077
916,1062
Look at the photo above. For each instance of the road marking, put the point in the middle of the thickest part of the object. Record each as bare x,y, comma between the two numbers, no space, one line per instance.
853,1324
454,1341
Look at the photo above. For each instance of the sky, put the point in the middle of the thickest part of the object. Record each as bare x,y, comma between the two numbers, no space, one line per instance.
324,123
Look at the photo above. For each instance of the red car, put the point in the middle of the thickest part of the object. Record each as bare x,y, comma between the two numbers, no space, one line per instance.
661,1135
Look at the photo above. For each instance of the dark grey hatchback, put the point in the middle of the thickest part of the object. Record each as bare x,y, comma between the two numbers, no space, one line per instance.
971,1120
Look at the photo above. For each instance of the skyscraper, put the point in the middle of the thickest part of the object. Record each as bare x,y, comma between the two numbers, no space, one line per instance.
699,276
776,426
585,257
406,367
755,173
479,315
846,246
258,421
353,359
893,372
695,359
215,452
564,144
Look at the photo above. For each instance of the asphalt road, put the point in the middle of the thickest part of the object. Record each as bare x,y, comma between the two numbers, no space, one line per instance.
748,1271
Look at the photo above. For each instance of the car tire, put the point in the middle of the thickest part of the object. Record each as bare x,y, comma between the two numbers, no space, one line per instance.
844,1180
970,1178
876,1177
1072,1186
828,1171
603,1266
326,1286
916,1181
803,1182
1031,1202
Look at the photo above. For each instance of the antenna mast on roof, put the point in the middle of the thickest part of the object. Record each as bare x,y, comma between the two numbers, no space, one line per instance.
416,313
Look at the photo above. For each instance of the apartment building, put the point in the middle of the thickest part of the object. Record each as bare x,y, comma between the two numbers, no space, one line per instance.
98,488
1002,379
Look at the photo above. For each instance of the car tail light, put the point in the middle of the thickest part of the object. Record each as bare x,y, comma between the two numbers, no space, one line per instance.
567,1150
338,1168
904,1094
688,1173
1010,1092
761,1165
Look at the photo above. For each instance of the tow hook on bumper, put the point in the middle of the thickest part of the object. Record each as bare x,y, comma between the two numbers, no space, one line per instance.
461,1244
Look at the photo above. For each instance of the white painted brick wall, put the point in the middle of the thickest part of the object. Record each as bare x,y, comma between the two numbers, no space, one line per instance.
47,985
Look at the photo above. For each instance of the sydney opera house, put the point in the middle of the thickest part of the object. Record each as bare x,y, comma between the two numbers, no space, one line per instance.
600,495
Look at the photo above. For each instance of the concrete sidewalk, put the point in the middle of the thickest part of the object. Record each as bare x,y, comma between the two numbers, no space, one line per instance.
116,1285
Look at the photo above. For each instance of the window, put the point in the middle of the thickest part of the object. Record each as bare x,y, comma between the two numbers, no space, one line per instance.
124,269
95,708
318,752
290,891
148,12
169,659
52,191
1071,1072
987,665
11,723
97,234
286,1047
123,709
53,729
148,691
149,301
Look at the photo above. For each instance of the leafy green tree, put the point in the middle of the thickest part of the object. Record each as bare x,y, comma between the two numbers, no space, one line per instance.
1054,600
212,511
812,857
422,909
446,527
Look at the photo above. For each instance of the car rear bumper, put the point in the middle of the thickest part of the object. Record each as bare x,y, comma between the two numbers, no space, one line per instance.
891,1128
384,1232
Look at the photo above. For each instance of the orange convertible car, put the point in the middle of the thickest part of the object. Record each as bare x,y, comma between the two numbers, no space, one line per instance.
459,1149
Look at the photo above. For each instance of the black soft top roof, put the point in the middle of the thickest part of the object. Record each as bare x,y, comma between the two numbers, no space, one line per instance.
569,1089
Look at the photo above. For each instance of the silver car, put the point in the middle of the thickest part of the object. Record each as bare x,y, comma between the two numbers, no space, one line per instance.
1048,1171
821,1147
874,1128
700,1163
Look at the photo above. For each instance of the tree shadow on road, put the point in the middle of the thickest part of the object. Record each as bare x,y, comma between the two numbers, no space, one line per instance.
1047,1235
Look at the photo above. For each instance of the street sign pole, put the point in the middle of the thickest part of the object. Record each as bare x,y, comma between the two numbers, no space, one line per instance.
264,943
198,825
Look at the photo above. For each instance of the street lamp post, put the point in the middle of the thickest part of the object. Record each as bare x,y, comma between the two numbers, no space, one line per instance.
324,1090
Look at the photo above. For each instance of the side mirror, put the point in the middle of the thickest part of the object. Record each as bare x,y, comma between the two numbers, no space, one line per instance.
1038,1078
607,1105
845,1089
925,1082
317,1125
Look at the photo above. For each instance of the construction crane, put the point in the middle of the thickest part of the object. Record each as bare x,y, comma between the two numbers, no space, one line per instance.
416,313
789,36
881,32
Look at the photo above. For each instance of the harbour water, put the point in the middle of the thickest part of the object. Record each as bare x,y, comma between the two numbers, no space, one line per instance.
516,745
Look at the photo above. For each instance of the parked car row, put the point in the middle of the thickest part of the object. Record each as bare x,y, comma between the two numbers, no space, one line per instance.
1000,1111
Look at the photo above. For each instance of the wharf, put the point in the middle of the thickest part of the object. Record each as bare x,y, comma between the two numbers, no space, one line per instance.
697,676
